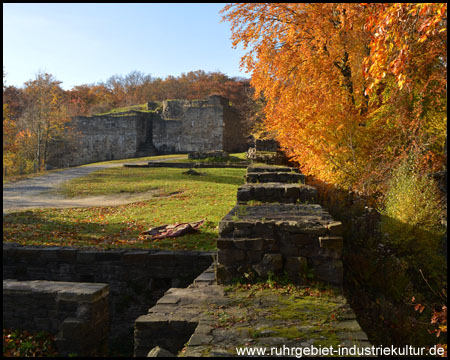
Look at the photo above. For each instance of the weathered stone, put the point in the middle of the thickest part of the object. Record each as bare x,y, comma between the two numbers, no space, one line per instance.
77,312
226,228
135,256
230,256
265,168
254,256
223,274
335,228
136,278
296,264
242,229
159,352
276,192
347,325
274,177
289,250
331,246
269,263
300,239
271,245
225,243
200,339
248,244
329,270
178,126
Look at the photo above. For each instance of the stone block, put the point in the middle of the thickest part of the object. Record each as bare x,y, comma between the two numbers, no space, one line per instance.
296,264
226,228
249,244
258,193
300,239
86,256
132,257
244,195
77,312
331,246
224,274
230,256
271,245
49,254
292,192
242,229
109,255
328,270
225,243
263,229
335,228
289,250
67,254
161,259
254,256
159,352
270,263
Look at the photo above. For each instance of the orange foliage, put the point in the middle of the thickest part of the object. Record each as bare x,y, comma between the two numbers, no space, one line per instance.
405,39
308,61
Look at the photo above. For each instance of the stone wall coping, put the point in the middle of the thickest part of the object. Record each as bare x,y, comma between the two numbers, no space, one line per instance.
88,250
277,185
64,290
271,168
279,213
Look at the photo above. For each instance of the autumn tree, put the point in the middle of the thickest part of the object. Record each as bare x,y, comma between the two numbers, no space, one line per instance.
44,117
307,60
407,68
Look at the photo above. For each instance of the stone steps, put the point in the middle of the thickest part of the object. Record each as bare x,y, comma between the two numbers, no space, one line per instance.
283,233
254,168
302,240
273,174
277,192
279,177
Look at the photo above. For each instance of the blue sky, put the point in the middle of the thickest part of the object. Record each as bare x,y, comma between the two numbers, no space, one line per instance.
88,43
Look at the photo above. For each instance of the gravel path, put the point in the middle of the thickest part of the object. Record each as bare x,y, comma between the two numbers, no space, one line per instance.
37,192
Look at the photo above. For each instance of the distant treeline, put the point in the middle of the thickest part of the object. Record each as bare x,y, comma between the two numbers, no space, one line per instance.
37,114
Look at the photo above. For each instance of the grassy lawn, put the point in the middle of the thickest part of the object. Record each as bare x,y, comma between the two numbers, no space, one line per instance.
180,198
138,107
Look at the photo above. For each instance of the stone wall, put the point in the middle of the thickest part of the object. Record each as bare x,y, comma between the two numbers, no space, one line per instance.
75,313
106,137
136,278
275,229
177,126
234,139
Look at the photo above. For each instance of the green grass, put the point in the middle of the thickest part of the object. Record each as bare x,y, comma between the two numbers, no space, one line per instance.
139,107
182,198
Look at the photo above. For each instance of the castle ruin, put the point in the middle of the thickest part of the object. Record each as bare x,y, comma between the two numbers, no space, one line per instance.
172,126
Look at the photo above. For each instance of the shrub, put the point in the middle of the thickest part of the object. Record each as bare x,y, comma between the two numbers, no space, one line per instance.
27,344
411,220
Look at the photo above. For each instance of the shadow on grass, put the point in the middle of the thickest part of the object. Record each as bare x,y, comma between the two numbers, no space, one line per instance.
34,228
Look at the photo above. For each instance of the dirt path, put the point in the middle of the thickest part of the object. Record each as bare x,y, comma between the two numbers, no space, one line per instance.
37,192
